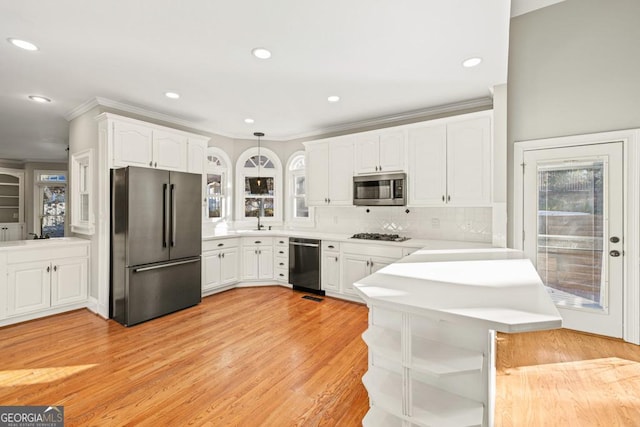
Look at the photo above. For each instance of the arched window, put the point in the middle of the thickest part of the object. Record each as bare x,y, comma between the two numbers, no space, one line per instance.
218,186
297,209
259,186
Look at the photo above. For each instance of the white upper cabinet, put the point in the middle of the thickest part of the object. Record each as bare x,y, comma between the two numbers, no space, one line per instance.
450,163
137,143
380,152
132,145
330,172
197,155
169,150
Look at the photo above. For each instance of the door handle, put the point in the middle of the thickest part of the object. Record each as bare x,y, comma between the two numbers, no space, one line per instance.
48,268
614,253
165,224
55,268
173,216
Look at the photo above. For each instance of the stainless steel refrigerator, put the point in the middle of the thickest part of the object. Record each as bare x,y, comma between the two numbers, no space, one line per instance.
155,243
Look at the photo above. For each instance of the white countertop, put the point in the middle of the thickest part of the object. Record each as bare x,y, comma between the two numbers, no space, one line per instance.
492,288
41,243
312,234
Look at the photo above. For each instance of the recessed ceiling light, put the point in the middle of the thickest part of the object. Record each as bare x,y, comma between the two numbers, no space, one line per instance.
40,99
172,95
22,44
471,62
248,121
262,53
333,98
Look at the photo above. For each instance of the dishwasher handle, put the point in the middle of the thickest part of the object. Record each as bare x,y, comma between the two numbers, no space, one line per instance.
311,245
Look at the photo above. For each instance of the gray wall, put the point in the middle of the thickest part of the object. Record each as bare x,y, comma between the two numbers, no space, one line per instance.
574,68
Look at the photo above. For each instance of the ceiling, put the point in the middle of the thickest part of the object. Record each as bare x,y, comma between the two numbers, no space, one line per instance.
382,57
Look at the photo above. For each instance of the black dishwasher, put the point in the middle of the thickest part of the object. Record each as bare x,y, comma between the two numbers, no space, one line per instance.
304,265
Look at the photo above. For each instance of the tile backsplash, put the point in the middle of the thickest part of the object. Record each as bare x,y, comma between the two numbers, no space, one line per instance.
465,224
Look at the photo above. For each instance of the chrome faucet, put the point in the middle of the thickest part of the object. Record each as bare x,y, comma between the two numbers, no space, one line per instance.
260,226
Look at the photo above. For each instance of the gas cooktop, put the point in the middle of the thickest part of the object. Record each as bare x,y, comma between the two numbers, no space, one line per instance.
380,236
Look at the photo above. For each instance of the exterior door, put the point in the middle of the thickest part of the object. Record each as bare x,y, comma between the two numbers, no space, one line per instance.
573,231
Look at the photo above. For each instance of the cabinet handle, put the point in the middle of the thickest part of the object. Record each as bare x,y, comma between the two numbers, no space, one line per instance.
257,242
151,164
220,245
281,275
448,198
443,197
329,200
326,200
222,254
376,169
281,252
155,165
281,241
367,263
336,259
282,263
48,268
255,251
330,246
55,268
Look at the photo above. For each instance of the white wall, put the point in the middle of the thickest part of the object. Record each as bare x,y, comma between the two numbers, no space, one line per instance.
573,69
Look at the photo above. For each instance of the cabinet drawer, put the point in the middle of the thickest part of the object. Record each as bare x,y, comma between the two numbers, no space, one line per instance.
372,250
282,263
282,252
282,275
257,241
48,253
212,245
329,245
282,241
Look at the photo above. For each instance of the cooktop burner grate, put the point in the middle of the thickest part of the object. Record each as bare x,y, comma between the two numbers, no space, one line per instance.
380,236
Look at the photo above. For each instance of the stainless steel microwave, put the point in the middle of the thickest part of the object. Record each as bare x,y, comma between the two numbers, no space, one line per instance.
380,190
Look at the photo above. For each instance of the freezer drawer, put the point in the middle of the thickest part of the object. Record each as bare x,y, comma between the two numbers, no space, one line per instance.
158,289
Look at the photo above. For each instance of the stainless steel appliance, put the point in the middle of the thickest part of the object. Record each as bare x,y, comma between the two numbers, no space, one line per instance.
380,236
380,190
304,265
155,243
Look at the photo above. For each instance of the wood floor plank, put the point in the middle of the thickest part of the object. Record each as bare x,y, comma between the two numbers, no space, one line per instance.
267,357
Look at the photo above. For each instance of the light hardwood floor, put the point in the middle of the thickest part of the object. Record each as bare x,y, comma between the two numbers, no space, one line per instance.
267,357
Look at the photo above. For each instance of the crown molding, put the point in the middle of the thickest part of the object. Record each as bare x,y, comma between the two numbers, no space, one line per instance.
385,121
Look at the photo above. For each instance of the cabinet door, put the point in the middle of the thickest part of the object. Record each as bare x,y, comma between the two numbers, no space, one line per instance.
211,268
367,157
354,268
469,162
427,174
317,179
28,287
10,232
265,261
379,262
250,263
331,271
229,266
132,145
197,156
169,151
392,152
69,281
341,173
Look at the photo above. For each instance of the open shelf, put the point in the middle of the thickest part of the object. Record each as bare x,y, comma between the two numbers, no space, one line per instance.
431,405
376,417
439,359
384,342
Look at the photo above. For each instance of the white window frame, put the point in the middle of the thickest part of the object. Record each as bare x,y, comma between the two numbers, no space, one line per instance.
82,171
290,205
227,184
275,172
38,195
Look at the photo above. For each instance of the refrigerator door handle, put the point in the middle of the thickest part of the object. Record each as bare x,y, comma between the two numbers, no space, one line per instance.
164,215
155,267
173,216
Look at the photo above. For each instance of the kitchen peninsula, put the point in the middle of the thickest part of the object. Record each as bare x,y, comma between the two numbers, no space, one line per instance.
433,318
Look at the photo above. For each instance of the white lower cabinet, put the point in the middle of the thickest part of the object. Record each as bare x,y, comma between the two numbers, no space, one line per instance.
330,266
36,282
281,259
11,231
220,261
362,260
257,258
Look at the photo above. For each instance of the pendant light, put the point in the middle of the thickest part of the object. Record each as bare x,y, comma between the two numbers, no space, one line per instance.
260,183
